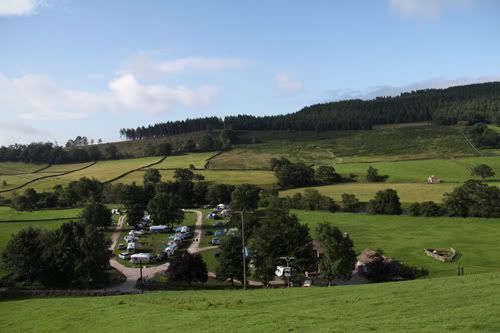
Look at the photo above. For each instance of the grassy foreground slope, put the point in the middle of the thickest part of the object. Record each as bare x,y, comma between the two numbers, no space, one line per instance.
459,304
405,237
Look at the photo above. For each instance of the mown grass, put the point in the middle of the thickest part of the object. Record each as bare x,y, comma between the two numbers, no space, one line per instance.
185,160
407,192
18,167
458,304
12,215
258,177
405,237
60,168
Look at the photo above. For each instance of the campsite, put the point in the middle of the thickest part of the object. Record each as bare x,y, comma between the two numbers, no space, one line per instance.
236,166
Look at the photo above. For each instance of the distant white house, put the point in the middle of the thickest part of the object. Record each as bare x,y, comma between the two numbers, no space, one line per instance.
433,180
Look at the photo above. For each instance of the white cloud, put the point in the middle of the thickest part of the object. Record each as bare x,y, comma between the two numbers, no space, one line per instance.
156,98
143,65
12,131
387,90
287,85
20,7
35,97
424,8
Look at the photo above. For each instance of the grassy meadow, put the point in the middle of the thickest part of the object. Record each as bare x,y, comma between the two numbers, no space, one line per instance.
407,192
458,304
8,214
185,160
9,168
383,143
258,177
405,237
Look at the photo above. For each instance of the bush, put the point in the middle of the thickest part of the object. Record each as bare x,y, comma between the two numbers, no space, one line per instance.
385,202
350,203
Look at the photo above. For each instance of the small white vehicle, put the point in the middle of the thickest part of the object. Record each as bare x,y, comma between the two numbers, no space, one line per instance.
143,258
131,247
124,256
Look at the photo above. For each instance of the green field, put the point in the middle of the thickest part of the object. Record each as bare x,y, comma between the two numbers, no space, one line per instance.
449,170
405,237
185,160
407,192
385,143
12,215
60,168
458,304
10,168
258,177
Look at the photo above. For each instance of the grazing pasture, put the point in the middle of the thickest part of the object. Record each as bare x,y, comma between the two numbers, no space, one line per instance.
407,192
385,143
405,237
8,214
13,168
459,304
258,177
185,160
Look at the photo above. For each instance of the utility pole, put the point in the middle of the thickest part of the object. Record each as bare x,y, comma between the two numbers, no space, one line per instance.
142,281
243,249
244,254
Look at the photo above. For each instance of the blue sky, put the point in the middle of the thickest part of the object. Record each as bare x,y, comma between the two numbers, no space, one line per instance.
71,67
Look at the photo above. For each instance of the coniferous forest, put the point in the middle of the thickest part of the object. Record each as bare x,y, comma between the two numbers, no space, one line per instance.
468,104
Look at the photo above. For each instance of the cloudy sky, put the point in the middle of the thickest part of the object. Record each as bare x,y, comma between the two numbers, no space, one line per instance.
74,67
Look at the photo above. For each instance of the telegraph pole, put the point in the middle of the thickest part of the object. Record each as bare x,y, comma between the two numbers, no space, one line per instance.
142,281
244,254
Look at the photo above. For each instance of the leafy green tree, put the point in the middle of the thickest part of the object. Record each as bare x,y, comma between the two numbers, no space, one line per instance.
219,193
482,170
228,137
183,175
414,209
385,202
21,256
207,143
279,234
372,174
245,197
164,208
313,200
111,151
230,259
164,149
350,203
186,267
430,208
326,175
200,193
340,257
473,198
150,179
294,175
134,214
96,214
74,255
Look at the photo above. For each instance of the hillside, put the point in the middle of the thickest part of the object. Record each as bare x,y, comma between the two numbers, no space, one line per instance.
469,103
458,304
